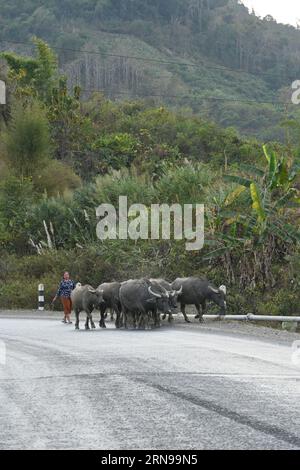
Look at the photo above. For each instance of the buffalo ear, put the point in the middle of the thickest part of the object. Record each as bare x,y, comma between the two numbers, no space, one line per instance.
150,301
223,289
179,292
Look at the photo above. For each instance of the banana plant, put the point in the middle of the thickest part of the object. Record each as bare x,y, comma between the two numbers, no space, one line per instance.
261,229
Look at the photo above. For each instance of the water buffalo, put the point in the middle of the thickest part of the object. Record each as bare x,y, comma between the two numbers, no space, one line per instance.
173,295
142,299
111,297
196,292
86,298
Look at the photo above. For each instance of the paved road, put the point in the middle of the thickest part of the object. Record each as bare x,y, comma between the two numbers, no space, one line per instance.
182,387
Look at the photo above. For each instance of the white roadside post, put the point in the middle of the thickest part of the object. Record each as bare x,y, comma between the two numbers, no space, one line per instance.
41,297
2,92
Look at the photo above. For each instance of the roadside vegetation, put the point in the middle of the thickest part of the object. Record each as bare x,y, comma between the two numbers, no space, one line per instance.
62,156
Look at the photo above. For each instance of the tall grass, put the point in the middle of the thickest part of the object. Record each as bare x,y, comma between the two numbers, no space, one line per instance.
70,220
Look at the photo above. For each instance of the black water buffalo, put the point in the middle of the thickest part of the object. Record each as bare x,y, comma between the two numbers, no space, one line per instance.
111,297
141,299
196,292
86,298
173,295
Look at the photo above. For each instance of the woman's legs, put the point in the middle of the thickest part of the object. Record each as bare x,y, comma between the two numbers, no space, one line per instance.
69,311
63,301
67,304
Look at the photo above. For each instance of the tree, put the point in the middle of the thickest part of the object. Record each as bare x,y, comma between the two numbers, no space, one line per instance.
71,130
36,75
27,140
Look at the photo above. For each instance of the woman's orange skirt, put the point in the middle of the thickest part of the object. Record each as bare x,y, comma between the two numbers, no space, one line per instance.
67,304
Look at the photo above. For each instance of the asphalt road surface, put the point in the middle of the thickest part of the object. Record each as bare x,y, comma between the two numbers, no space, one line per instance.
217,386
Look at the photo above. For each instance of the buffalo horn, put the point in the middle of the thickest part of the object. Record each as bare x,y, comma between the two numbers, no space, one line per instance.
216,291
154,293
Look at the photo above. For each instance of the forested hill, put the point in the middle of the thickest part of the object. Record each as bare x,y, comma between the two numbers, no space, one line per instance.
142,48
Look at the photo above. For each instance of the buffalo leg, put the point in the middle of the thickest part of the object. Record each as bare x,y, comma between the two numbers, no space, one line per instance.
136,319
102,321
88,319
131,319
200,314
151,320
118,318
203,306
156,319
102,316
125,315
77,320
182,307
141,321
87,322
92,322
200,311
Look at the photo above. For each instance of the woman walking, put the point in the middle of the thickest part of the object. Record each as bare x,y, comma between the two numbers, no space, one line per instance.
65,289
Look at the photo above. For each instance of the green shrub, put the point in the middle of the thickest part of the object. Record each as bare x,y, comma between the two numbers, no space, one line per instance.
138,189
16,199
55,178
27,140
14,294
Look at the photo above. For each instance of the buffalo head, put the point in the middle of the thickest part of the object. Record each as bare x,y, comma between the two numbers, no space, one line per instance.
218,296
173,297
162,299
97,296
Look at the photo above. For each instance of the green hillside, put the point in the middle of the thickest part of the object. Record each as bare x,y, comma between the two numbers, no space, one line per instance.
171,51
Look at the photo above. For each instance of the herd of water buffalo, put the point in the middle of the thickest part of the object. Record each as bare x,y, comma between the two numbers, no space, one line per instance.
140,303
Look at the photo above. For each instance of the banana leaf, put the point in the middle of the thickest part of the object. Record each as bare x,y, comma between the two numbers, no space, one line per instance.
234,195
286,198
239,180
256,202
215,254
253,170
